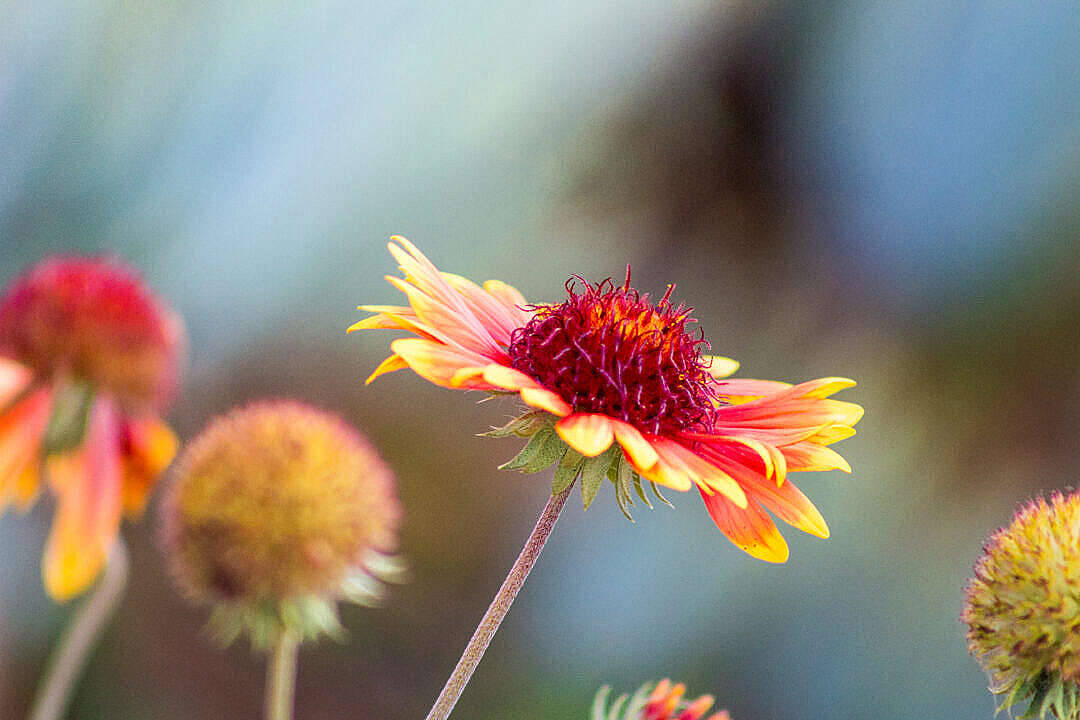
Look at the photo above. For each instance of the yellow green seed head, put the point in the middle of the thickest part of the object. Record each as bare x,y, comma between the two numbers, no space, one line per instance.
1023,608
278,509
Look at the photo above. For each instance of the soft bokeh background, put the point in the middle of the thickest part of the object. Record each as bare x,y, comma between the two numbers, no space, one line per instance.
872,189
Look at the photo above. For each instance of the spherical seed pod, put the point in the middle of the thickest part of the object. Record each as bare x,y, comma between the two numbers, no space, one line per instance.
277,511
1022,608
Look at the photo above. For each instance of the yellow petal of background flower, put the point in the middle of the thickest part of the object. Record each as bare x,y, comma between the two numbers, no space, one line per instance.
151,447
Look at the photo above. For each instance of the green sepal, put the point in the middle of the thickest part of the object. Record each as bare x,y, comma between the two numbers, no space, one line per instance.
596,712
70,415
625,707
309,616
525,425
640,490
1047,694
620,473
593,472
545,448
659,495
568,470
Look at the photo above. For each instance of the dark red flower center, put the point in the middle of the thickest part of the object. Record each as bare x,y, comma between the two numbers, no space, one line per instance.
609,350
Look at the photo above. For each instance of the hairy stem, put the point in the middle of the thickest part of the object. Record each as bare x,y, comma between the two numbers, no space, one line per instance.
281,677
474,651
80,637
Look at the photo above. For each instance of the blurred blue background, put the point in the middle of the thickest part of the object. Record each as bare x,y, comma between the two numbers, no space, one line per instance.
879,190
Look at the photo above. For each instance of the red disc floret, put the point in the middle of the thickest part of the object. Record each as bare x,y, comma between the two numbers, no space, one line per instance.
609,350
93,319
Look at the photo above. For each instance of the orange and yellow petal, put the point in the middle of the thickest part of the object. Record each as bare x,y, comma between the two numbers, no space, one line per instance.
639,450
442,307
741,390
785,500
150,447
455,326
789,504
491,312
810,456
588,433
764,457
389,365
507,378
509,296
433,361
544,399
678,467
750,528
87,485
21,430
390,317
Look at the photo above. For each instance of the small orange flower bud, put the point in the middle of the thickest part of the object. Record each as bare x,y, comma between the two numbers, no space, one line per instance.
664,702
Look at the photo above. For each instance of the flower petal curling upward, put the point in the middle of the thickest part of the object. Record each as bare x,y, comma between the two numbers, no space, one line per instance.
626,392
21,430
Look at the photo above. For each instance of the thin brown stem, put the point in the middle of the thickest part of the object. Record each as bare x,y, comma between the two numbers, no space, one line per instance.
80,638
474,651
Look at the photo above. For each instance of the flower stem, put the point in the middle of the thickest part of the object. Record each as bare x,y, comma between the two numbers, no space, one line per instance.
474,651
80,637
281,677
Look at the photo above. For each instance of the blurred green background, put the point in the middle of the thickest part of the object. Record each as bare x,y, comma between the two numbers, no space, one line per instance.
885,191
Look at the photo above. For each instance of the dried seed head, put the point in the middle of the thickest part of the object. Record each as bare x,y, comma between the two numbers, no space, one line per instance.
278,507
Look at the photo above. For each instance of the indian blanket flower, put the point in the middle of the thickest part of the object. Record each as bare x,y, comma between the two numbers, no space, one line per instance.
621,388
88,362
664,701
277,511
1022,608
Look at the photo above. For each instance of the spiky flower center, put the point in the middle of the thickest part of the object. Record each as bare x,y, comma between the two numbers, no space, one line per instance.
609,350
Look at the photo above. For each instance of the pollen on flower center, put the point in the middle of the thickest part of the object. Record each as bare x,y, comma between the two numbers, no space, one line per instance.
609,350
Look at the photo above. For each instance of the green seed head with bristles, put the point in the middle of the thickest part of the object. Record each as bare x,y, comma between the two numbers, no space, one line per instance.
1022,609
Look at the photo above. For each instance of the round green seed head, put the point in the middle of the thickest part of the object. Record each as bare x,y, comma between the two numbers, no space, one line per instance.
1022,607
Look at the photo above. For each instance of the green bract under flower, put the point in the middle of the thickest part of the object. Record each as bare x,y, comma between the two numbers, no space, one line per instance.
545,448
279,510
1023,609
